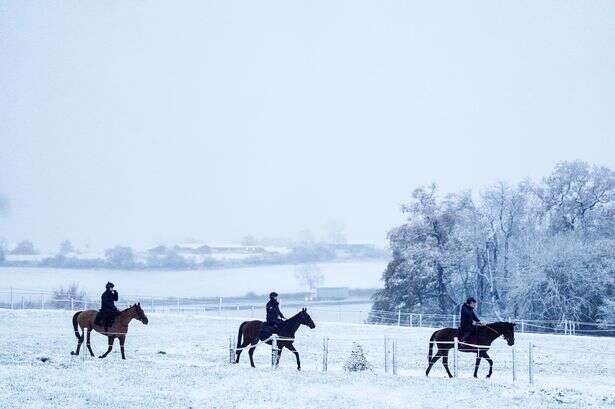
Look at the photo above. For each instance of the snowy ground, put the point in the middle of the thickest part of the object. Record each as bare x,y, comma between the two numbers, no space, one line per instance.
180,361
195,283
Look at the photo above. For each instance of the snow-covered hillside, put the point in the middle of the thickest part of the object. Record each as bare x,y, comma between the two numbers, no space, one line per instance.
180,361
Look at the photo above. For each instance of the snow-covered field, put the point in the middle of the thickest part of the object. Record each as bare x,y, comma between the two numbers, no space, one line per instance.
180,361
195,283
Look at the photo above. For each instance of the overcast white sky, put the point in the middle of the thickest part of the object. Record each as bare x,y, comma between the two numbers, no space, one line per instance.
142,121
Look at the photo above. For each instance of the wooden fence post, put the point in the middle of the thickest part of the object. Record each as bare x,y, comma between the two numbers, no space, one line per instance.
325,353
514,364
455,352
386,353
394,357
274,351
531,363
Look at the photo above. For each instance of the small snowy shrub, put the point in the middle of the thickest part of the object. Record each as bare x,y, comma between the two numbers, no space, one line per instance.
357,361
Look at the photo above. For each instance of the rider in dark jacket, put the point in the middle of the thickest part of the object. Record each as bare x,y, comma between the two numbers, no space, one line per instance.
468,319
274,315
108,311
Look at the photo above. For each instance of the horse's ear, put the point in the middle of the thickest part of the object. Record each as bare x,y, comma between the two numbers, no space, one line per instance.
514,324
304,309
139,303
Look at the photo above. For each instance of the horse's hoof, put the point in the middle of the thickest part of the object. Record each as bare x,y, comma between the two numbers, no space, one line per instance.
101,356
488,376
73,353
299,369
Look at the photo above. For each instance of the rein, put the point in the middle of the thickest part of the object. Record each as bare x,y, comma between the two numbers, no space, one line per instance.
497,333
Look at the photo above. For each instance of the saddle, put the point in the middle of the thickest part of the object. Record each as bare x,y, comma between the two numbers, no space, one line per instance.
267,331
105,319
469,339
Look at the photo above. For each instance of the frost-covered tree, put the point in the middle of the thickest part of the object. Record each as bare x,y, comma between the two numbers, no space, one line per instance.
24,248
309,275
334,232
66,247
3,249
541,250
577,196
120,257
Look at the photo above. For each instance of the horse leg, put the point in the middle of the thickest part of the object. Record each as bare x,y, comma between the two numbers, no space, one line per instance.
87,341
244,344
432,361
251,354
483,354
292,349
476,364
111,338
445,363
238,354
79,342
122,340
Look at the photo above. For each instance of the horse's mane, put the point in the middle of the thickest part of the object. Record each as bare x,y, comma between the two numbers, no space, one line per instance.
499,324
132,306
295,316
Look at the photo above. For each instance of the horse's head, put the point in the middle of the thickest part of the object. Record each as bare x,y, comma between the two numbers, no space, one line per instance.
305,319
140,314
508,332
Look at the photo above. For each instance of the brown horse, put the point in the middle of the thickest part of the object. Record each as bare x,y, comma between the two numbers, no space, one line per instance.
251,330
85,320
485,335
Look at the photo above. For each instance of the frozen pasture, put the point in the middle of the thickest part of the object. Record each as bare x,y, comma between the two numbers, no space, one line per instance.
180,360
195,283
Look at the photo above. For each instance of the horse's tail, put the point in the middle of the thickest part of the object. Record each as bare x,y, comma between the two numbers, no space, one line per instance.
239,333
76,327
431,342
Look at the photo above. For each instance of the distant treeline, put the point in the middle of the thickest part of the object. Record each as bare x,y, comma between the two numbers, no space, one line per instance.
178,258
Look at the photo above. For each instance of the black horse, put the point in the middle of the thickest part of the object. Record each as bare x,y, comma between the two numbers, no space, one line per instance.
484,337
251,330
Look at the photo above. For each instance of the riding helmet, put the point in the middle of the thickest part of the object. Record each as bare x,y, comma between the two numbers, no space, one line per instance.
109,285
273,294
470,300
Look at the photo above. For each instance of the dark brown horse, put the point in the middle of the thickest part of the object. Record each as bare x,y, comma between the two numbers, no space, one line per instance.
485,335
85,320
250,331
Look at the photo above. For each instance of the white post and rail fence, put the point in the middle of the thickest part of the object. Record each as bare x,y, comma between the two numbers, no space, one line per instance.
390,356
